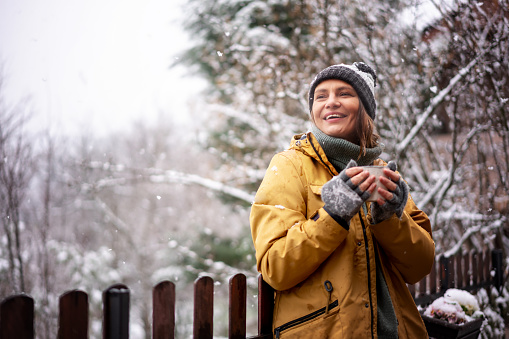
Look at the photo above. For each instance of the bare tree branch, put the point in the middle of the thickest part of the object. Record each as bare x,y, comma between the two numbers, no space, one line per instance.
437,100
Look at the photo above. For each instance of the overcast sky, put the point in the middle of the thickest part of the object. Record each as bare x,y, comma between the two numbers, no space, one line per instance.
95,64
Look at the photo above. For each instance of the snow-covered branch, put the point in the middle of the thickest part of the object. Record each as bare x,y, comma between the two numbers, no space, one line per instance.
436,188
437,100
185,178
471,231
447,182
251,120
155,175
113,218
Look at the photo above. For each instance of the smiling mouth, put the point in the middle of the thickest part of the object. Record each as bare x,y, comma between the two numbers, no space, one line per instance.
335,116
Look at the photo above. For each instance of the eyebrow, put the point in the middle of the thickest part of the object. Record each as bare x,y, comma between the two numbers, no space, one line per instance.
335,89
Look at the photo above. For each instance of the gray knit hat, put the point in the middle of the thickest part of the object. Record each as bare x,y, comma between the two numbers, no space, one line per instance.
359,75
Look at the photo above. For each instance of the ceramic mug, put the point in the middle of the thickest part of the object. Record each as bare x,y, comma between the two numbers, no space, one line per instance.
377,171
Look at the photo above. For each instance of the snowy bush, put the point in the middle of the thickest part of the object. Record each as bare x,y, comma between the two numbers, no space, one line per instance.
456,307
494,305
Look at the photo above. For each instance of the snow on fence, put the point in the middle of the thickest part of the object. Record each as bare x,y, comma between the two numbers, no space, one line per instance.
470,271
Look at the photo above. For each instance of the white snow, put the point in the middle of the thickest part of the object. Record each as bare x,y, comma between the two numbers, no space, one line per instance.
456,306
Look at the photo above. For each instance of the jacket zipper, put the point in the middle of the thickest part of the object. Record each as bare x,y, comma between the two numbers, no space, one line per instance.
369,271
367,254
301,320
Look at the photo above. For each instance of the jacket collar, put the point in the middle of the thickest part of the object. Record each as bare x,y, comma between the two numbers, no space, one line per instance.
307,144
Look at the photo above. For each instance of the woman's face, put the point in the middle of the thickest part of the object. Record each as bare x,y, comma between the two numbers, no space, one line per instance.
335,109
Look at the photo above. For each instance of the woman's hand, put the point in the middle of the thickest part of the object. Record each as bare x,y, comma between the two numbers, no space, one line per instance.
360,180
344,194
390,184
393,199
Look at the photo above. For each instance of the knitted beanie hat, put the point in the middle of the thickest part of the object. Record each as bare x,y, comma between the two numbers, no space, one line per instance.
359,75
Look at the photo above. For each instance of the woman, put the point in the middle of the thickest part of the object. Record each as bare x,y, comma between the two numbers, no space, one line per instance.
339,264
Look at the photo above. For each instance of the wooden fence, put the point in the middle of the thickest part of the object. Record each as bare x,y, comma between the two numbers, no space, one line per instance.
467,271
470,272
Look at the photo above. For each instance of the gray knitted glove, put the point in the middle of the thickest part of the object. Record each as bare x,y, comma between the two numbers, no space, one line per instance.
341,197
396,204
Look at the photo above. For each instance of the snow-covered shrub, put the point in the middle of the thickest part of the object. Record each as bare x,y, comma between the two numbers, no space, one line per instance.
456,307
494,305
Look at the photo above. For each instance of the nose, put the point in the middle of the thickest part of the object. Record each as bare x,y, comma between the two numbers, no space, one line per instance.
332,101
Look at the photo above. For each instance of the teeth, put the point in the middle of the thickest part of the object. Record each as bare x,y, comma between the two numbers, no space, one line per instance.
333,116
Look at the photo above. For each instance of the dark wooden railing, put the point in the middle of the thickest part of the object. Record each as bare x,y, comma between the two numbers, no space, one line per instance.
471,271
17,312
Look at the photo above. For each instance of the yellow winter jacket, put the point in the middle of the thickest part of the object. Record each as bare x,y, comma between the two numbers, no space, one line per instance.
324,275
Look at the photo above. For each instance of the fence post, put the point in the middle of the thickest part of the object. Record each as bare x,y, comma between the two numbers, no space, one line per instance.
237,307
73,315
17,317
163,310
487,267
480,267
265,308
422,287
433,278
497,262
452,272
475,269
468,270
203,308
444,274
460,281
116,312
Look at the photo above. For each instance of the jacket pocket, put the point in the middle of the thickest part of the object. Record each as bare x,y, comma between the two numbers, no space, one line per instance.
314,199
310,325
316,189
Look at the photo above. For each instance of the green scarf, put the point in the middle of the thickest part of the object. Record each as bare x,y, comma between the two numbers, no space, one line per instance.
339,151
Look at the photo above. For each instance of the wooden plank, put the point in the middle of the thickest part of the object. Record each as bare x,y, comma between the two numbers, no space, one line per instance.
487,267
17,317
475,269
237,307
460,278
444,274
480,268
422,286
468,270
433,278
203,308
452,272
265,307
163,310
497,261
116,312
73,315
